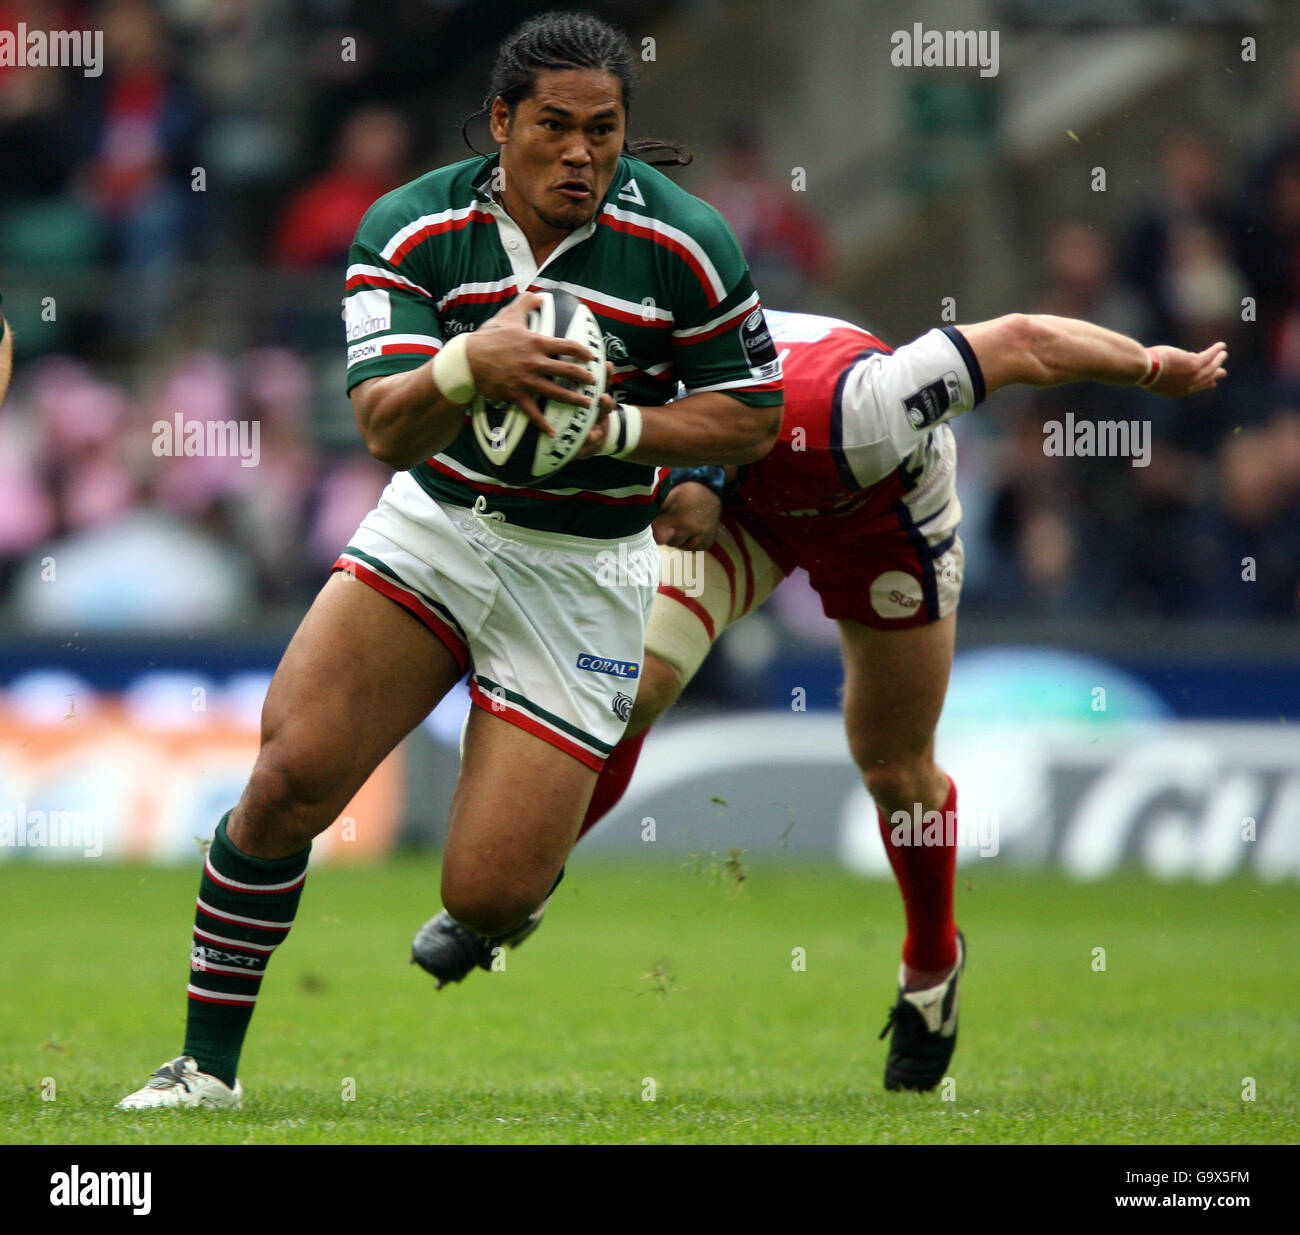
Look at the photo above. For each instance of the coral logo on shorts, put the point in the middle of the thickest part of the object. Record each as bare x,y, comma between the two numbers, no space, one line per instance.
896,594
602,664
622,706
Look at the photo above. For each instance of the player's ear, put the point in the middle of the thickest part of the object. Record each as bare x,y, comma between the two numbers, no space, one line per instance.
499,119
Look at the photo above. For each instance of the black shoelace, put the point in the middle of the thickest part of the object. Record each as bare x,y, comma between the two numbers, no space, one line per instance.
168,1075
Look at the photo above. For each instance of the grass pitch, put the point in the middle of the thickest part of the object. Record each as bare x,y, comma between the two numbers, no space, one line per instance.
666,1003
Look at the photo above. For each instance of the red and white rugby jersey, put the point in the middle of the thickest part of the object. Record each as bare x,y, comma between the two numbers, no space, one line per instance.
855,411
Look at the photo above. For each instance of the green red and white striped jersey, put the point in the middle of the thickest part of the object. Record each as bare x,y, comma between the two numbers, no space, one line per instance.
659,268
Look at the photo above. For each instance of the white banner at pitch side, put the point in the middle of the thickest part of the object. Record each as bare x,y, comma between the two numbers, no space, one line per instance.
1179,799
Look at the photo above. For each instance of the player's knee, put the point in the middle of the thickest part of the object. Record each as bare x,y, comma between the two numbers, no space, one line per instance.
489,910
287,797
895,783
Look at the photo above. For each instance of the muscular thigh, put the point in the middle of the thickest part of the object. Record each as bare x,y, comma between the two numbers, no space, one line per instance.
358,675
894,687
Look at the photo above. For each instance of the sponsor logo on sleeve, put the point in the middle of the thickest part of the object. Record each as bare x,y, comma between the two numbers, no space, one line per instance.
760,350
367,312
927,405
363,351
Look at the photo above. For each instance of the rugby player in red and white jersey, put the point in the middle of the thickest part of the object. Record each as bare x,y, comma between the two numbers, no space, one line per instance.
860,492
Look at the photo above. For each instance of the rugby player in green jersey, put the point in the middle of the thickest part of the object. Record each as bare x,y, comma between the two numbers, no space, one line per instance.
455,571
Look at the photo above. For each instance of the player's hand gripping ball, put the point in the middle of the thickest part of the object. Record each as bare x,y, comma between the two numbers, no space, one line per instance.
509,445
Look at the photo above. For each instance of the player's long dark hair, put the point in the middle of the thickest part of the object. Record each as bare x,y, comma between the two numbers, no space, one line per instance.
570,41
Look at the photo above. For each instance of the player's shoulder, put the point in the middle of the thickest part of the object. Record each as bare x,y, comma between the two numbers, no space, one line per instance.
443,189
642,189
810,329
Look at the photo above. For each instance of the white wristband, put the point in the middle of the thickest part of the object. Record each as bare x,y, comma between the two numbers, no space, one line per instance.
622,431
451,372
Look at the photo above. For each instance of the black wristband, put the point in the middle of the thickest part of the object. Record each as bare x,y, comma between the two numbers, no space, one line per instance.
714,478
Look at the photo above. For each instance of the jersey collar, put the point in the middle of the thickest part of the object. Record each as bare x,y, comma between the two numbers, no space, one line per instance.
513,241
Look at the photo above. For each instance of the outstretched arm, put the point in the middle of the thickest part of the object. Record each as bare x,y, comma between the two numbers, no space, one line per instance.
889,403
1037,349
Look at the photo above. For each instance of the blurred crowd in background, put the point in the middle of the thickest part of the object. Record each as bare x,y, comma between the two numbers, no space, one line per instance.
1213,254
221,301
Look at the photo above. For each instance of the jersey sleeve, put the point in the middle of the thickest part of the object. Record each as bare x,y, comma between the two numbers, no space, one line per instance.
389,313
720,337
886,405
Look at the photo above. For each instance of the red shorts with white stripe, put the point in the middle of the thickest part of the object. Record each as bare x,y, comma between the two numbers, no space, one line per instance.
551,627
888,557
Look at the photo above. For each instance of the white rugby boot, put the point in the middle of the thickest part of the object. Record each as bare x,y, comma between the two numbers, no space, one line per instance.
180,1083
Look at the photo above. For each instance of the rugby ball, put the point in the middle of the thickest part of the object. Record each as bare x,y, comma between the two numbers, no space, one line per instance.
509,446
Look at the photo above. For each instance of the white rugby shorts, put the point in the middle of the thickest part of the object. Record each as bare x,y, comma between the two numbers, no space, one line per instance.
551,627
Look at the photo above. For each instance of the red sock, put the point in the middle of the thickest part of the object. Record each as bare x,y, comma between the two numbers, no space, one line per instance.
612,782
925,875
